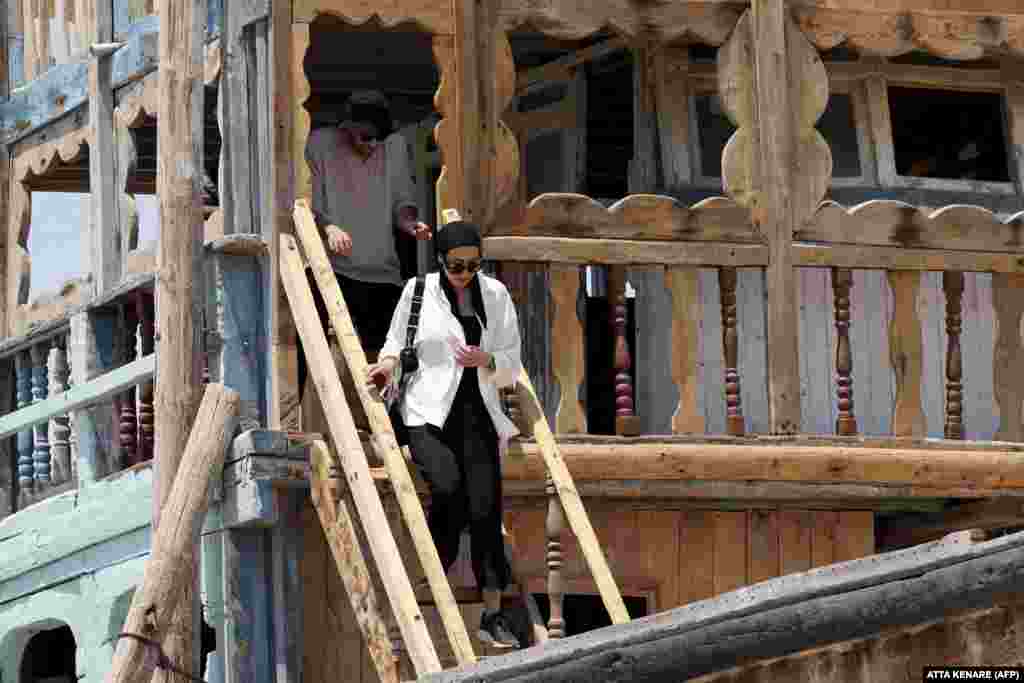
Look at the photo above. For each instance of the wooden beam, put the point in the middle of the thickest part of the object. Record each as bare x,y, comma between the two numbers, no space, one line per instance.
942,7
338,523
959,470
350,452
107,260
566,250
237,125
575,513
385,444
564,68
94,392
154,618
777,149
180,110
775,618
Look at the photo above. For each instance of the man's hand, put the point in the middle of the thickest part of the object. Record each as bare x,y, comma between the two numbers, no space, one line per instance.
338,241
408,224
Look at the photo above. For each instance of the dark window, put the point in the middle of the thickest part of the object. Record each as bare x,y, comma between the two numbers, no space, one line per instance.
703,54
584,612
609,125
545,170
543,97
948,134
838,127
50,657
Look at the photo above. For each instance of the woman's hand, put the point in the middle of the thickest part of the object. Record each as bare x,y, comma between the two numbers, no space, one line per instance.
379,374
471,357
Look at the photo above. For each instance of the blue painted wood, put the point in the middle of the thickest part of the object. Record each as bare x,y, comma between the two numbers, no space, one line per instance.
241,323
247,596
64,88
26,469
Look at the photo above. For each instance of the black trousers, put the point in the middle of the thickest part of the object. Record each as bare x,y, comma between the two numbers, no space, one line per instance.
370,304
460,464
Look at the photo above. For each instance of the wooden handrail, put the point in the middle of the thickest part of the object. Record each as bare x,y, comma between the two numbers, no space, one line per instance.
384,442
95,391
353,461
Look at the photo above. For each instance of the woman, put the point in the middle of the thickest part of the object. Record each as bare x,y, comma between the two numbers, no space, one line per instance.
467,343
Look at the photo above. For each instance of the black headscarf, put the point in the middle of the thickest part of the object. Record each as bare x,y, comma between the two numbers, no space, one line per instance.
452,236
376,115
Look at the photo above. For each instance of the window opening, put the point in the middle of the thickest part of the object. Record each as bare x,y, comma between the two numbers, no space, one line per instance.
609,137
948,134
50,657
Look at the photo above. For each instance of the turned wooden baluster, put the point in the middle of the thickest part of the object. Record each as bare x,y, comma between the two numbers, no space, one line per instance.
41,452
23,381
626,421
510,403
144,313
60,447
555,529
129,426
846,422
953,284
733,408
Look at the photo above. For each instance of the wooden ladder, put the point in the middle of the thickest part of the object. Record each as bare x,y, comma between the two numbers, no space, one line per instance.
338,519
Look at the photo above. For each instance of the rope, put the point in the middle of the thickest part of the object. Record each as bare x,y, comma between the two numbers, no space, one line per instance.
162,660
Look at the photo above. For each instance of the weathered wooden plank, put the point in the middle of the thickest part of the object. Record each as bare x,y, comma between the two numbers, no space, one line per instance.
792,613
730,557
931,312
906,354
712,358
823,541
855,535
1008,355
753,352
795,534
880,123
372,516
567,348
696,556
889,258
80,396
817,351
65,88
763,558
980,415
951,469
684,288
339,527
672,91
566,250
300,91
237,123
1014,103
636,217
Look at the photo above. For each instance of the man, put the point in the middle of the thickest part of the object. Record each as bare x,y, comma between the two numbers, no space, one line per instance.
362,197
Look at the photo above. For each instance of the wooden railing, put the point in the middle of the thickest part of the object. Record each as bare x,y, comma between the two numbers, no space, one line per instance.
57,371
566,232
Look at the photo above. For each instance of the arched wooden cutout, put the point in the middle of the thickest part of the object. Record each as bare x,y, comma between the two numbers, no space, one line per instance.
300,131
811,157
433,16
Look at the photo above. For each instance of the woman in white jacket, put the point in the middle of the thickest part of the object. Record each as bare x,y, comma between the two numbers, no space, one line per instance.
468,346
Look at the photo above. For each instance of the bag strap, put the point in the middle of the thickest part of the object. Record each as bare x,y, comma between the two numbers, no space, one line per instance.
414,312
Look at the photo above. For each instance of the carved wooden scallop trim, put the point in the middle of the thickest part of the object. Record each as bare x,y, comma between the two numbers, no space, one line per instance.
302,122
137,104
952,36
636,217
41,159
431,16
661,22
880,222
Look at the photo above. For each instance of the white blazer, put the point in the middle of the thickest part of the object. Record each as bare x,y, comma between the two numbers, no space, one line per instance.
430,392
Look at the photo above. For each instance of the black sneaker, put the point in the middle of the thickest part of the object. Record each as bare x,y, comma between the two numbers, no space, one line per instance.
496,632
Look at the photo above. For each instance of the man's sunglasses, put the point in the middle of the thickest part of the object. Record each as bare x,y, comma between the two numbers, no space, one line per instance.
458,267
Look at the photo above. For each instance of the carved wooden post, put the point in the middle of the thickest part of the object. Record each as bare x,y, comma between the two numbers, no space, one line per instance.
953,284
60,446
555,529
144,314
510,402
23,374
626,421
41,453
846,422
128,425
733,409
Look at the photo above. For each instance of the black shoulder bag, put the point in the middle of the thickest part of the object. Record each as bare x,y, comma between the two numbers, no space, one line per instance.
408,363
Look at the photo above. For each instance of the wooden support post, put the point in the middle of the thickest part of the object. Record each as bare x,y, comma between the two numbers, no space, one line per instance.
385,445
1008,355
1013,77
61,446
178,280
846,422
237,189
776,153
554,529
107,261
953,285
350,452
166,591
330,498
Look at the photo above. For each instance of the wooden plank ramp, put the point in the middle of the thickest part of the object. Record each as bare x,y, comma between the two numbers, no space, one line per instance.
338,519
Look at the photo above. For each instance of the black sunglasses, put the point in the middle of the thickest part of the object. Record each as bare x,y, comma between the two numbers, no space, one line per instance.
459,266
